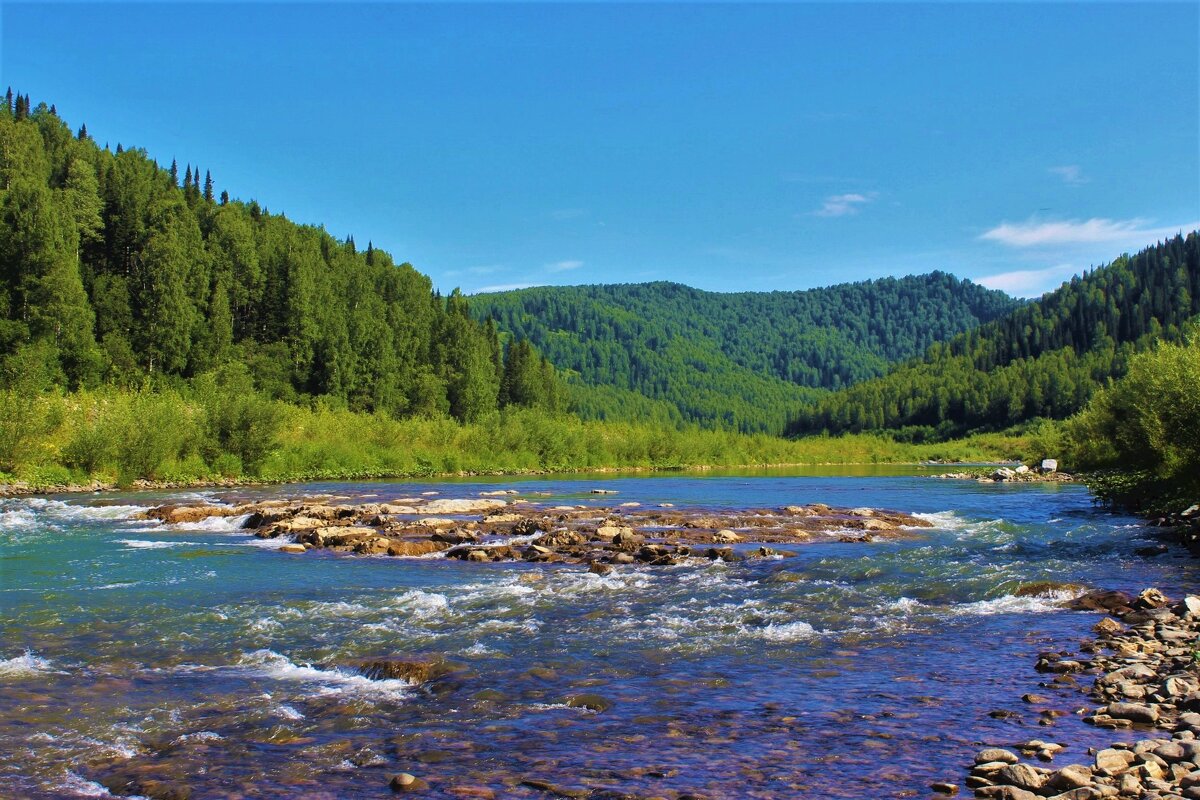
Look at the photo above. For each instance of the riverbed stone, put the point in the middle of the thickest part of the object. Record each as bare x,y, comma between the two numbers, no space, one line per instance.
1113,762
996,754
1020,775
1134,712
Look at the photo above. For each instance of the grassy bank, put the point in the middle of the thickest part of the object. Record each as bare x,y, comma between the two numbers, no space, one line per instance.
211,432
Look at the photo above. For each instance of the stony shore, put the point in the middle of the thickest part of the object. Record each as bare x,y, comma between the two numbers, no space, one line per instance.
497,527
1146,669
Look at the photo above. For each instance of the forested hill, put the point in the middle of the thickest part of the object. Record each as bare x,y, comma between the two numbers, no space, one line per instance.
1042,360
115,270
741,359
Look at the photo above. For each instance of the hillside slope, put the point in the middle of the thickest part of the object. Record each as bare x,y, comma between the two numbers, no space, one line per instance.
741,360
1045,359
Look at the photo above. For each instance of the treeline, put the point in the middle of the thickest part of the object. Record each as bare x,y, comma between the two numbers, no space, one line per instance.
117,271
740,360
1045,359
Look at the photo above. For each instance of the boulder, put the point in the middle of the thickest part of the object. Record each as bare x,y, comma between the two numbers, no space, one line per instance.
592,702
726,537
175,514
406,782
1134,712
996,754
464,506
1022,776
402,668
1102,600
410,549
1113,762
1150,598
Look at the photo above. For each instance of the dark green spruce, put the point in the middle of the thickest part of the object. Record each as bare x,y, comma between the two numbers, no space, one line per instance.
112,273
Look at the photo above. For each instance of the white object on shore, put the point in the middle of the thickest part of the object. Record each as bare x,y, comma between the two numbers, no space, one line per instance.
1049,465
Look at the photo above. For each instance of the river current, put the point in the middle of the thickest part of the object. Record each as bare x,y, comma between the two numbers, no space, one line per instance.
199,655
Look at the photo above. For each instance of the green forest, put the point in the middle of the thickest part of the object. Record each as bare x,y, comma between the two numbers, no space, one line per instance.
153,328
1045,359
116,271
733,360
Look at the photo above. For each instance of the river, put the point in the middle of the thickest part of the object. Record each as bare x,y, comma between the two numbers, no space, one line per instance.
201,656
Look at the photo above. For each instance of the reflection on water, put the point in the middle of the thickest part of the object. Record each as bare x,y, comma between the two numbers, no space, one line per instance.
196,655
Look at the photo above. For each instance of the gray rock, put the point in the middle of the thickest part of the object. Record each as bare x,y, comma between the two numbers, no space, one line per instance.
996,754
1135,712
1022,776
1113,762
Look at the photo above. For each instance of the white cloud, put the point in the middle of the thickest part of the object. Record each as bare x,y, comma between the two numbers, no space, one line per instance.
1092,231
502,287
1028,282
1135,232
563,266
843,205
1071,174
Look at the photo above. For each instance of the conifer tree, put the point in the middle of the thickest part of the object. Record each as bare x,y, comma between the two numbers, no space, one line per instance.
208,186
83,134
174,172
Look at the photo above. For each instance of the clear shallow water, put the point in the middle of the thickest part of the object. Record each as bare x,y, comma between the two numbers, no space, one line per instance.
867,670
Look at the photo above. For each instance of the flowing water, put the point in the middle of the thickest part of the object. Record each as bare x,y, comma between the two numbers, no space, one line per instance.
199,654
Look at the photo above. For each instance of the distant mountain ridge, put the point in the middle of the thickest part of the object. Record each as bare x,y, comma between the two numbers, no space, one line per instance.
1044,359
739,360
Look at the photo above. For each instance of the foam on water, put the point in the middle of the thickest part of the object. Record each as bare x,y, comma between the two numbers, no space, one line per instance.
142,544
787,632
269,664
73,785
214,524
26,665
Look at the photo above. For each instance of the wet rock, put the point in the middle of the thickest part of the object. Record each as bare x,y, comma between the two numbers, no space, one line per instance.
407,782
529,526
1108,627
561,539
456,536
409,549
942,787
1134,712
726,537
628,541
178,514
555,789
293,548
412,670
720,554
599,568
1102,600
592,702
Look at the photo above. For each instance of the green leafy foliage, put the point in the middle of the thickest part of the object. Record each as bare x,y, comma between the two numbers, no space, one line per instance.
1045,359
741,361
1147,426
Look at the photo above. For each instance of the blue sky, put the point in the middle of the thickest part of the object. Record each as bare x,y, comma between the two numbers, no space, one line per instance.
730,147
